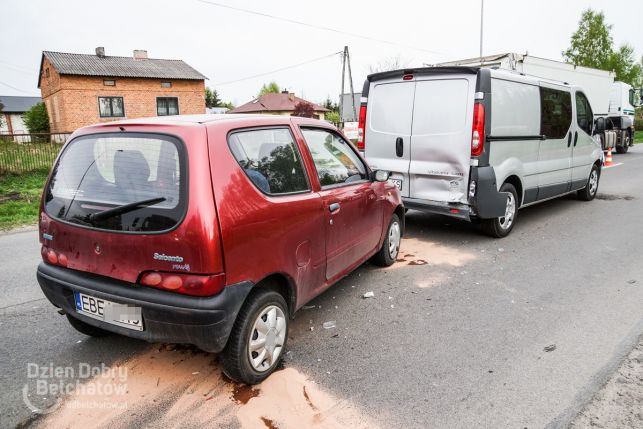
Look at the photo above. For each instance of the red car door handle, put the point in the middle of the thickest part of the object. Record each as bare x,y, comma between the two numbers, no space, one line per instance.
333,207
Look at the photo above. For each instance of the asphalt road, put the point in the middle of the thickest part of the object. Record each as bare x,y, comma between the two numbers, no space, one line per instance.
456,342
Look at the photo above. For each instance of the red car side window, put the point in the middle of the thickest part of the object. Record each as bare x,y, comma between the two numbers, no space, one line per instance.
270,159
334,159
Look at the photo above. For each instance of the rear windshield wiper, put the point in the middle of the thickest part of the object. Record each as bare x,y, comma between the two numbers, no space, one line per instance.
125,208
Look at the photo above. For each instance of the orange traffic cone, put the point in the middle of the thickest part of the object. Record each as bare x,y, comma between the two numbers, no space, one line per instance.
608,160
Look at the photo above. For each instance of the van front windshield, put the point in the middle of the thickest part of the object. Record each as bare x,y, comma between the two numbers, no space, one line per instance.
119,182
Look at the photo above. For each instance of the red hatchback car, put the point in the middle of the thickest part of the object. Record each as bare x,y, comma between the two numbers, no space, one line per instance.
209,230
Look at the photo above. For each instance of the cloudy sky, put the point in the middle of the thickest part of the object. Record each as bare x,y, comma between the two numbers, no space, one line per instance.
229,45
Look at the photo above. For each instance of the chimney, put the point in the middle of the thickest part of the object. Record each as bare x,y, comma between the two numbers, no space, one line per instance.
140,54
291,96
100,52
285,91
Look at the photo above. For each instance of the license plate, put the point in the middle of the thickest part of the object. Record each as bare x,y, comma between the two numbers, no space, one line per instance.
125,315
398,183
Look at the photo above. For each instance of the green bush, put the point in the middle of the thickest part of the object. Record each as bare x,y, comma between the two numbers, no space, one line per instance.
638,124
36,119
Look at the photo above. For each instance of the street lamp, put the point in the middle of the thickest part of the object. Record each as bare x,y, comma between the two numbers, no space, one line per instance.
481,25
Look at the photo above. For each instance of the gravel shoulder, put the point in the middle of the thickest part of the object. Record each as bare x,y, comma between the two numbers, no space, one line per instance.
619,403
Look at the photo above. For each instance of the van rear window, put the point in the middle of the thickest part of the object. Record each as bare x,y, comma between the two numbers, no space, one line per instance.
119,182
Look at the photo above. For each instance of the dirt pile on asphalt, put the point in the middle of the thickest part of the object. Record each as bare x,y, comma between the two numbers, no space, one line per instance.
420,252
176,386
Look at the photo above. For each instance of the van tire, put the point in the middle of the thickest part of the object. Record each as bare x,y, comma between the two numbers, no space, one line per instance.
494,227
386,257
588,193
87,329
235,358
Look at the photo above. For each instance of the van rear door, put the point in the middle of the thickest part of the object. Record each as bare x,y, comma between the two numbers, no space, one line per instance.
441,138
388,128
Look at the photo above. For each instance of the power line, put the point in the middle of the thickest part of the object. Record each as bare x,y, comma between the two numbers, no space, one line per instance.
278,70
319,27
15,67
17,89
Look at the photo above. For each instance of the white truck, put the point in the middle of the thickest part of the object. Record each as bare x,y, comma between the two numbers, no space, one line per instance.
611,100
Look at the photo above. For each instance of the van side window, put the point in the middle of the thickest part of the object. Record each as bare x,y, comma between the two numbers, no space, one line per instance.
334,159
270,159
555,113
584,115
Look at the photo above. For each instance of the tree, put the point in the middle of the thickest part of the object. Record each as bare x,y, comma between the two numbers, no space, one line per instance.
227,104
212,98
332,116
623,64
331,105
304,109
592,46
269,88
393,63
36,119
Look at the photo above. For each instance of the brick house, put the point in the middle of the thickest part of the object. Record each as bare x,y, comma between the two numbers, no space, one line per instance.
80,89
277,104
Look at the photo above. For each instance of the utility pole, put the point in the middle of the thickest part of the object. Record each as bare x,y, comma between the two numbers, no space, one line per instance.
341,93
481,25
346,59
350,80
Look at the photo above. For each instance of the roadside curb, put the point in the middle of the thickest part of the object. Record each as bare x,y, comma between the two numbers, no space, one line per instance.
25,228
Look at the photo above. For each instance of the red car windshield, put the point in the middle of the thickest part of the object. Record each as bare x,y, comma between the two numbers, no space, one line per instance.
120,182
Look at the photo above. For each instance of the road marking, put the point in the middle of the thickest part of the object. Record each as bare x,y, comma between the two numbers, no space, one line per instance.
613,165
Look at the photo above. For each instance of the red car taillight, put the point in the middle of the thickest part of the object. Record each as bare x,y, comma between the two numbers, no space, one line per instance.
477,133
187,284
49,255
361,128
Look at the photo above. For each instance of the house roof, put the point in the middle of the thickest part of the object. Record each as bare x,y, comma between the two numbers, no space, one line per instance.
281,102
109,66
17,104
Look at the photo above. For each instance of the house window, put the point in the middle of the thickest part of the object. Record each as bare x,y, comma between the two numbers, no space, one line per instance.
109,82
111,107
167,106
166,84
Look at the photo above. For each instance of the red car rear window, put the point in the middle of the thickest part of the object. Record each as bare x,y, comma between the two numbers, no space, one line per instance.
120,182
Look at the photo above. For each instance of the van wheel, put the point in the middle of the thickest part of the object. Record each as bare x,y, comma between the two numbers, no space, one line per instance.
258,338
387,254
87,329
502,226
588,193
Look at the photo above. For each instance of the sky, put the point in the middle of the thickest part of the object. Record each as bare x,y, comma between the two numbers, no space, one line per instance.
229,45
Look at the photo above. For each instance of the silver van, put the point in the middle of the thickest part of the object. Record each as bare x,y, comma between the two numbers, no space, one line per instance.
478,143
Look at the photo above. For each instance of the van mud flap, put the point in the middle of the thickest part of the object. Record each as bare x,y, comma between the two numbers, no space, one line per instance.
487,202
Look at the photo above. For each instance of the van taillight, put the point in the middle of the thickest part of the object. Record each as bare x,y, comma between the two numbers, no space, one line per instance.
477,133
187,284
361,128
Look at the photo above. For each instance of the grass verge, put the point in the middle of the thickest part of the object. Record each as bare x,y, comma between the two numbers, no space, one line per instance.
20,198
638,137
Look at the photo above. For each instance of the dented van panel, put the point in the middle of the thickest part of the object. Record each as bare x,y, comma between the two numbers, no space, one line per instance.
441,132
